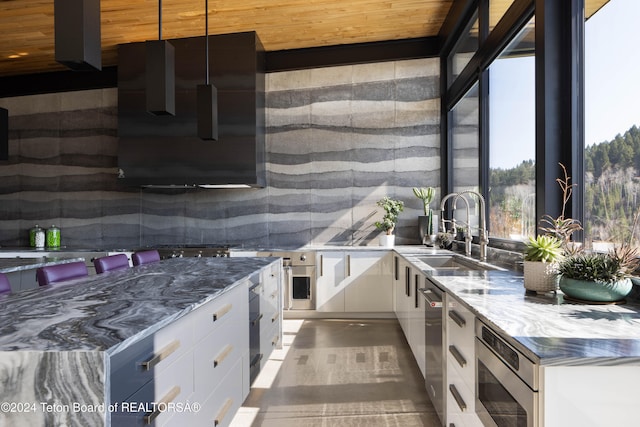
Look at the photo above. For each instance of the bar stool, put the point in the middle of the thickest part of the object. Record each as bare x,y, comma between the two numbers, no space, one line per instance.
61,272
5,286
145,257
111,262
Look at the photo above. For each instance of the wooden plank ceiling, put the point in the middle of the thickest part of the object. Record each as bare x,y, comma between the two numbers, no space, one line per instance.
27,26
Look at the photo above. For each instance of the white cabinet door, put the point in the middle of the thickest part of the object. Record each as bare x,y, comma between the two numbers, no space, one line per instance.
368,282
330,281
403,294
416,319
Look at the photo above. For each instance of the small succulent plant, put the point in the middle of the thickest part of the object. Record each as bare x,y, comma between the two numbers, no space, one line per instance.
444,240
543,248
597,267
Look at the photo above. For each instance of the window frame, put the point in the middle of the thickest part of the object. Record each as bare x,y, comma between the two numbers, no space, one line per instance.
559,34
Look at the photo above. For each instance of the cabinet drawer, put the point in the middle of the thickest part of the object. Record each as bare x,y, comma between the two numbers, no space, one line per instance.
219,409
231,304
150,405
270,279
269,340
136,365
460,323
216,354
460,395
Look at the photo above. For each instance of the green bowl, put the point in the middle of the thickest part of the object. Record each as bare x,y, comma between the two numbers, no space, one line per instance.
594,291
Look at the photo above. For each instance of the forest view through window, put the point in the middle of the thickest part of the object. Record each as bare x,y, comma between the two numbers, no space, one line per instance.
612,121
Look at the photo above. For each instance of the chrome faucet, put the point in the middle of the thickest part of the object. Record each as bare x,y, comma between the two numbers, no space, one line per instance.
482,228
467,234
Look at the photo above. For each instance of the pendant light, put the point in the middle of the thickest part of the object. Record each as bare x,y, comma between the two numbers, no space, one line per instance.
160,73
207,95
77,34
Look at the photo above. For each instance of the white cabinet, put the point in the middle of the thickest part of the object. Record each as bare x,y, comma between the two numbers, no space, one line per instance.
461,363
409,306
402,288
201,357
330,281
416,320
354,282
368,282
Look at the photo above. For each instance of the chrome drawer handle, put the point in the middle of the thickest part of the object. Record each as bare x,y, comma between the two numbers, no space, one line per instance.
275,340
457,397
256,360
276,317
224,310
223,355
433,302
458,356
457,318
274,294
223,412
257,319
159,357
162,405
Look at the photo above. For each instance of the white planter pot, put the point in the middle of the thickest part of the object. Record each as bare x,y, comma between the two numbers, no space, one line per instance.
541,276
387,240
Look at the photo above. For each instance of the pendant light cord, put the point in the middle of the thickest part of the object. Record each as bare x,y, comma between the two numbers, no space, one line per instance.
159,19
206,38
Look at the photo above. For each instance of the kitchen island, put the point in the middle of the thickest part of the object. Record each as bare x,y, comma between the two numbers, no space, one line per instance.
74,353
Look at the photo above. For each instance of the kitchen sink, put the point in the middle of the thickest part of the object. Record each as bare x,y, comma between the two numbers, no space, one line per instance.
455,262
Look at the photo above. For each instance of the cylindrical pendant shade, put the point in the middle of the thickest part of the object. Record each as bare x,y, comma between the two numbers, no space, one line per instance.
160,76
207,104
77,34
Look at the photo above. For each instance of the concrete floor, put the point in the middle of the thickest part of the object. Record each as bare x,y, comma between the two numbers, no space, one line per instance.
339,373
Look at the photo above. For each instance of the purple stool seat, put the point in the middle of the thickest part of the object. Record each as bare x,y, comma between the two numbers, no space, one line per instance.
145,257
61,272
5,286
110,263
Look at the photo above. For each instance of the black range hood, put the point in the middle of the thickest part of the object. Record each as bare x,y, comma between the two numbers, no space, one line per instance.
165,151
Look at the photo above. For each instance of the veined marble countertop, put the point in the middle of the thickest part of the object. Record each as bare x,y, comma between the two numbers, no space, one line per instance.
106,312
547,328
9,265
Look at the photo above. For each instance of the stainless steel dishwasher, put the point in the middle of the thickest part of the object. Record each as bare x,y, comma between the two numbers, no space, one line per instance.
434,340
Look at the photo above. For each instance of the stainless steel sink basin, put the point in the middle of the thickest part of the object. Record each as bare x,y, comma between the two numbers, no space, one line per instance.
454,262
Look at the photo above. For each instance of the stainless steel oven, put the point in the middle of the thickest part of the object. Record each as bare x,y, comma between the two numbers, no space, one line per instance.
506,382
299,278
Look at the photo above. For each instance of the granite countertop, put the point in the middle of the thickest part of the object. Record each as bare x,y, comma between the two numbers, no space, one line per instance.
547,328
9,265
107,312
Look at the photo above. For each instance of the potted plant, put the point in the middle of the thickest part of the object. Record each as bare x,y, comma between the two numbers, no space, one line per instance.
541,258
562,227
543,252
444,241
392,209
597,276
426,222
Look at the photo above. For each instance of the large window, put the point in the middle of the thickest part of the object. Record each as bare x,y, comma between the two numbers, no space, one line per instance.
465,142
465,150
512,139
612,118
463,51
